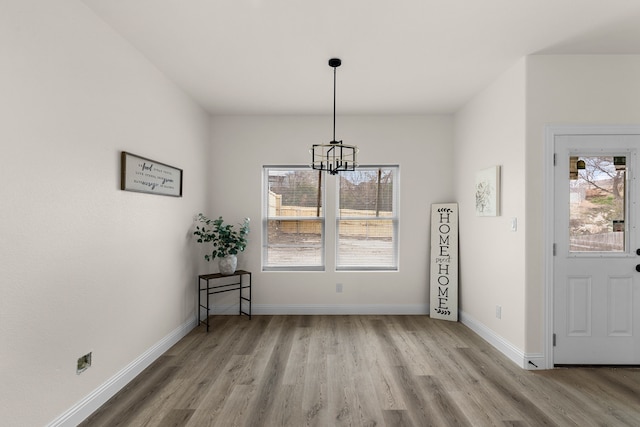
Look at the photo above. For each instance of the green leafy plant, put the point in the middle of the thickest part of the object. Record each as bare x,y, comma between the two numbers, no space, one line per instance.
225,239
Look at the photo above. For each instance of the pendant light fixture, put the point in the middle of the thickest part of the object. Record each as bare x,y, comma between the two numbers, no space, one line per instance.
335,156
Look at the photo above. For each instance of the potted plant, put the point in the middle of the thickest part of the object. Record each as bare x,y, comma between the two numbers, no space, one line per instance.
225,239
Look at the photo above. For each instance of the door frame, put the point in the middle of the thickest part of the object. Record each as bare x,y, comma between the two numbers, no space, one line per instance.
551,132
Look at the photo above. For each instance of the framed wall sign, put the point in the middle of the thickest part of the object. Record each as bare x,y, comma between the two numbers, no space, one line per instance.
443,301
148,176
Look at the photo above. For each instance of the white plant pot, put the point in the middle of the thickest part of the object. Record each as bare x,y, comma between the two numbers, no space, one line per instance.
228,264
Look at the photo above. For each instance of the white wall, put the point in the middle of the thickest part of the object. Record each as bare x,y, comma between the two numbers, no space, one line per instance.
567,89
421,145
85,266
490,131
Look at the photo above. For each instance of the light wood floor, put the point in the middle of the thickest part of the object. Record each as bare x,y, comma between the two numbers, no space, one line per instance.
361,371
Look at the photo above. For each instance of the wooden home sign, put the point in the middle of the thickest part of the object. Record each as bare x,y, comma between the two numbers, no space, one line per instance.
443,303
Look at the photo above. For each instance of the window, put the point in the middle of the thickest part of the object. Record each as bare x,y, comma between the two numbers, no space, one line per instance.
367,219
597,203
293,228
366,222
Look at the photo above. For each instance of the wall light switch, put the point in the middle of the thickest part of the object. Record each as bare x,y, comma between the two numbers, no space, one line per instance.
514,224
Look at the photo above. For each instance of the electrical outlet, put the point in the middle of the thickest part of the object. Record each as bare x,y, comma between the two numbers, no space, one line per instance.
84,363
338,287
498,312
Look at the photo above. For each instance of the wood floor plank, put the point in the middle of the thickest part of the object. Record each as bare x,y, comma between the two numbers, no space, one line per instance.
175,418
387,390
135,397
354,364
415,400
369,409
315,409
441,403
287,407
454,371
271,380
295,367
412,355
215,396
501,383
218,370
262,350
475,405
340,396
200,370
360,371
234,412
397,417
588,389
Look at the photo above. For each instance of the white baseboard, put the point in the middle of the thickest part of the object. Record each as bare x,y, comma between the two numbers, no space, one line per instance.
525,361
276,309
81,410
534,361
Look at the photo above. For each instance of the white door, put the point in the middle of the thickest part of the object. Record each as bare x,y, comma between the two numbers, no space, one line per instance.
596,296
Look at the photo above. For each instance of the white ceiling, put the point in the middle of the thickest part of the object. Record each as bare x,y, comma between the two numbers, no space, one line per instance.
398,57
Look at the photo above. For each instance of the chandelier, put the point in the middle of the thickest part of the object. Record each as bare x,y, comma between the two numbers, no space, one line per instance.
335,156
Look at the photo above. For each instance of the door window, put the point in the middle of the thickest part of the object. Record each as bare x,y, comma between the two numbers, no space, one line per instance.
597,203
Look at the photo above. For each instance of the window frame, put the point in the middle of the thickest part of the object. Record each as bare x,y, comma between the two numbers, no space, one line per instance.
394,219
266,218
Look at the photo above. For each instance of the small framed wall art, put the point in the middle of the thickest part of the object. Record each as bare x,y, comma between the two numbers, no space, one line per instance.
144,175
488,192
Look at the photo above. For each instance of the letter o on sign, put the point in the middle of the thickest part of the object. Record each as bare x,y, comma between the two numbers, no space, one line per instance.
444,228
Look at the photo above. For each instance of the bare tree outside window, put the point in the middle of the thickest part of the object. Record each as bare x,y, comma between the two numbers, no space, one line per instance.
597,205
367,219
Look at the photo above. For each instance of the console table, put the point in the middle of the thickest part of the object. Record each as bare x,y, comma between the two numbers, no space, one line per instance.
237,284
